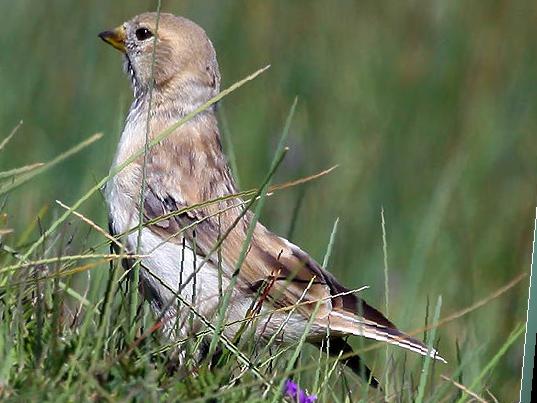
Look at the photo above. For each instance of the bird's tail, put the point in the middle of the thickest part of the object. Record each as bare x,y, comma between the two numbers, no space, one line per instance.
373,325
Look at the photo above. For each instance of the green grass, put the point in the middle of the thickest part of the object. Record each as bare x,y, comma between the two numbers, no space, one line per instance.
427,108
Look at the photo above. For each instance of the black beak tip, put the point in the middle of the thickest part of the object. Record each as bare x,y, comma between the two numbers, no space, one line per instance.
104,35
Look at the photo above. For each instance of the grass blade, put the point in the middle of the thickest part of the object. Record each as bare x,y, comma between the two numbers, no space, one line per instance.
328,253
19,171
427,360
63,156
278,157
10,136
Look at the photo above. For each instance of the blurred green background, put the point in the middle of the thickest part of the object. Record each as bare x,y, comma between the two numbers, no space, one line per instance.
428,107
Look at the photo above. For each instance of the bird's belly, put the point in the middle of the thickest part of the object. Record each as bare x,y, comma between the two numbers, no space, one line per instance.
168,279
173,286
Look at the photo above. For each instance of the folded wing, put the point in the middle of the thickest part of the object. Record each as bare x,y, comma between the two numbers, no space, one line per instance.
294,275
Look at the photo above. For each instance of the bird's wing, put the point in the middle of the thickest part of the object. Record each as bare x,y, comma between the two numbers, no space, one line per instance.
269,259
294,277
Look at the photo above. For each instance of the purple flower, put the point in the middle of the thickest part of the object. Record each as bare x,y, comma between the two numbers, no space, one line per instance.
292,390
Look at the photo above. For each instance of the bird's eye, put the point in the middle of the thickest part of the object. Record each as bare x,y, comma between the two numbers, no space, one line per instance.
143,33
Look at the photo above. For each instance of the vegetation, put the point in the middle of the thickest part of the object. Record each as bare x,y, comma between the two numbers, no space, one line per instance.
427,108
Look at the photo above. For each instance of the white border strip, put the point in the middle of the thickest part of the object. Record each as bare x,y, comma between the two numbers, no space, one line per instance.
531,329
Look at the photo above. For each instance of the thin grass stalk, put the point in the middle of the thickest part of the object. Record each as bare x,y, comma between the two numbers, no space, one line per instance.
432,220
48,165
528,363
8,138
20,170
135,269
278,157
284,322
330,246
427,360
242,256
291,362
64,259
386,299
104,319
294,214
232,157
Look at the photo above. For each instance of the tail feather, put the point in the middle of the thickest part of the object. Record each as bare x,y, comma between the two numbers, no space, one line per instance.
352,315
348,323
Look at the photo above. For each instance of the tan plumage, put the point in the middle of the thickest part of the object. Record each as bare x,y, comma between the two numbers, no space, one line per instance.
188,168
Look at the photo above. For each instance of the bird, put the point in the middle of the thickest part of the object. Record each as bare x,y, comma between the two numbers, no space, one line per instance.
192,223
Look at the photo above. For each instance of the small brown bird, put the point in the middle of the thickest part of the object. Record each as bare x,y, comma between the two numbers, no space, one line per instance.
189,168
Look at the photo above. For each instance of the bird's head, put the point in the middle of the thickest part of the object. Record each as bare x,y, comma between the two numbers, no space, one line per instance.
171,52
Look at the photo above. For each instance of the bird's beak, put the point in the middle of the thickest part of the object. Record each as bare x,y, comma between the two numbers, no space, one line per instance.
116,38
